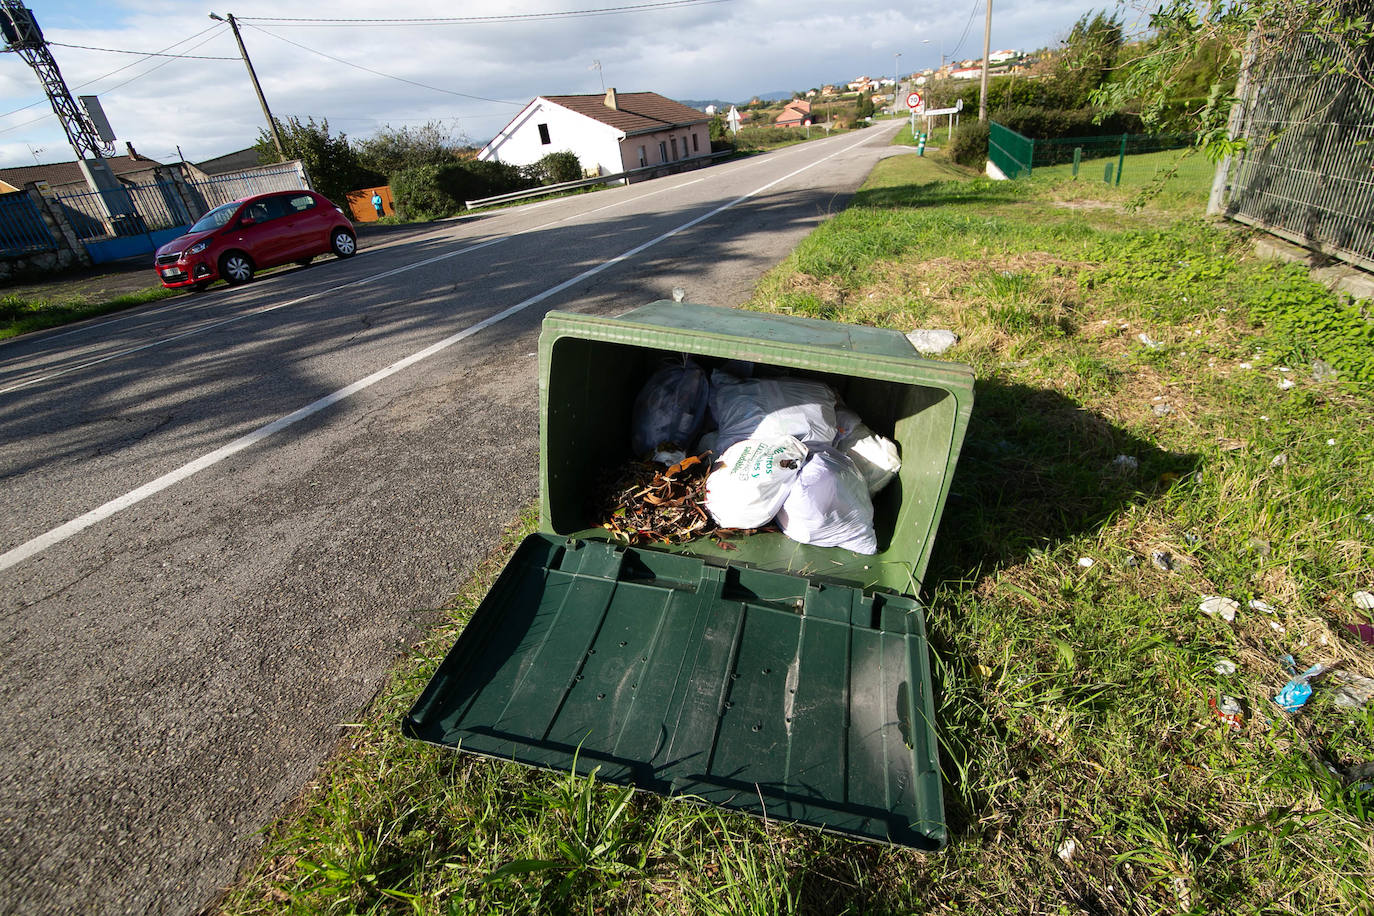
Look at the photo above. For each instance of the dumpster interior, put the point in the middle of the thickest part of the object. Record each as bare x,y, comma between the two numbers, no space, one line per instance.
588,430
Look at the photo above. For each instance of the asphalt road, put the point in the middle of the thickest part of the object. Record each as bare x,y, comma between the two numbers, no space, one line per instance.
224,516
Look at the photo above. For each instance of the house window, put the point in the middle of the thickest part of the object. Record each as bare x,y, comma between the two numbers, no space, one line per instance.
674,139
696,144
643,157
662,151
544,134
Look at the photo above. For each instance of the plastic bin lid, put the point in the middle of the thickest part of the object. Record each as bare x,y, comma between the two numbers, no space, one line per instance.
753,690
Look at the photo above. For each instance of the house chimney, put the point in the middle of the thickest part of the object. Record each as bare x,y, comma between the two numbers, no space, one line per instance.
611,99
133,153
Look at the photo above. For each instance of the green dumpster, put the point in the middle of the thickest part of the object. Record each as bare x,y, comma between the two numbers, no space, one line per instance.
784,680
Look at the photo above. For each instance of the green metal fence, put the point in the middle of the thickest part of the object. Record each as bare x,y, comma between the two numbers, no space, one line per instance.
1017,155
1009,151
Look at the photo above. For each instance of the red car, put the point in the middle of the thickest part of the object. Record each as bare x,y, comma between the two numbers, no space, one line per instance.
233,241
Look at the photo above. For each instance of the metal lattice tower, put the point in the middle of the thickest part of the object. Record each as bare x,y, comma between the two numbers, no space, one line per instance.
23,37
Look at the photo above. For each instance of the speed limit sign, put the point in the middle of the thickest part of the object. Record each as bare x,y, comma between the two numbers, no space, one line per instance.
914,101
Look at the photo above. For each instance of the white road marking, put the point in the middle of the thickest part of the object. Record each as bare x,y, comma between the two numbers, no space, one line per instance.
133,497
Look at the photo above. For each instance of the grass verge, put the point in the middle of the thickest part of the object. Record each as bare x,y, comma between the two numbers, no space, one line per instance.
1122,463
23,314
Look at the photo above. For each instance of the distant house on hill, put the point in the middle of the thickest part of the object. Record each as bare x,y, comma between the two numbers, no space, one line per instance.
796,114
609,134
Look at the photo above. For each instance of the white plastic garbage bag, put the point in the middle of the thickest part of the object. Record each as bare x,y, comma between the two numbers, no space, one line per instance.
829,505
768,408
671,407
753,482
875,456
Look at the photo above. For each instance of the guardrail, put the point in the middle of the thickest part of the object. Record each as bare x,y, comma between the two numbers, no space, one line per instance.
547,189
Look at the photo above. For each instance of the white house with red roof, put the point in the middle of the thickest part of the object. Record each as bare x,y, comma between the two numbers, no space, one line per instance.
609,134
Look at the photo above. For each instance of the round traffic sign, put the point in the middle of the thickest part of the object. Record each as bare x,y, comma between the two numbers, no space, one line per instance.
914,101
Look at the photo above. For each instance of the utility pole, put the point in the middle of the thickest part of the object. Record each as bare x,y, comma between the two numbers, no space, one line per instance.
987,49
262,99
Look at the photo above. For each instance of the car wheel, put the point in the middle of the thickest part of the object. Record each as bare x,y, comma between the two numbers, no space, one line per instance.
305,262
343,243
236,267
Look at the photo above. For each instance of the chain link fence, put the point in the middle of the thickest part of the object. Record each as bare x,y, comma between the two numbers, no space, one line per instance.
1307,172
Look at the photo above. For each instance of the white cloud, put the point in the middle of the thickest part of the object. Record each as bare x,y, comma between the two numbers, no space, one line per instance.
729,50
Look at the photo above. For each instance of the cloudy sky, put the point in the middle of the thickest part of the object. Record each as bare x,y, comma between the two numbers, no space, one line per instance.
475,75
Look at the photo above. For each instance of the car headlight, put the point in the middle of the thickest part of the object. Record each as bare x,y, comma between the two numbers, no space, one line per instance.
198,247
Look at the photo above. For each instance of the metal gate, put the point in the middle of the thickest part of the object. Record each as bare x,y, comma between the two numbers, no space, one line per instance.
137,219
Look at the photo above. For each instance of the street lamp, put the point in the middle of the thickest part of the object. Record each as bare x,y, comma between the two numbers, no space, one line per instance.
896,80
926,41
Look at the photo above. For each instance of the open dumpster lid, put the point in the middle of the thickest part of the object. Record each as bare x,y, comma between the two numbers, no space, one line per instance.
755,690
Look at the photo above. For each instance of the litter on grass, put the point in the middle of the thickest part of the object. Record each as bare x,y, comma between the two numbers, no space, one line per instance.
1126,464
932,341
1218,606
1225,667
1298,690
1066,850
1354,692
1364,601
1085,562
1164,560
1261,606
1361,631
1229,710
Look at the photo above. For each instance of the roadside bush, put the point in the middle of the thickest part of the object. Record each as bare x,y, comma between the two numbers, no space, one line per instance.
471,179
970,144
555,168
1045,123
417,195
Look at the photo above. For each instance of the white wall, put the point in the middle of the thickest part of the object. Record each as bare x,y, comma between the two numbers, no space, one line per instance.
595,144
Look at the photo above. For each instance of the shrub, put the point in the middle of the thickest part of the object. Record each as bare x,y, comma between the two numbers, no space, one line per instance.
1045,123
472,179
555,168
417,195
969,145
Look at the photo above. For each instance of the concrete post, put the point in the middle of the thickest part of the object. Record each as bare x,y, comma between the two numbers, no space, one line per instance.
56,218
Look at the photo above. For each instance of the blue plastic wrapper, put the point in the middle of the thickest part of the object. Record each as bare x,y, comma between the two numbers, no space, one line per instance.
671,407
1297,691
1294,694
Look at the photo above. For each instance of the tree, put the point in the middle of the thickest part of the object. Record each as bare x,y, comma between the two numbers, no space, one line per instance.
864,108
1257,32
1089,54
329,160
390,149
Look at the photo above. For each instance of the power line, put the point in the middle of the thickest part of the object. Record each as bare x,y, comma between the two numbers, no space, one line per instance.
110,74
297,22
138,76
145,54
967,25
402,79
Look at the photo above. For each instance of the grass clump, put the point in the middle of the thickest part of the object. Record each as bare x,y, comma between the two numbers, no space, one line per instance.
1086,769
23,314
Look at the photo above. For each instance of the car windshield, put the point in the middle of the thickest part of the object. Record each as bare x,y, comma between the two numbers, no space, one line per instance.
215,218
